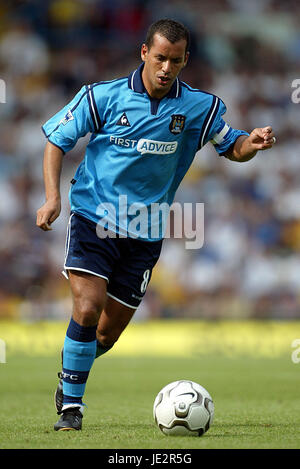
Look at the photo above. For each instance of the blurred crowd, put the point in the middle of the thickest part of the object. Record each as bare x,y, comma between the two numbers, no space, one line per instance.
247,53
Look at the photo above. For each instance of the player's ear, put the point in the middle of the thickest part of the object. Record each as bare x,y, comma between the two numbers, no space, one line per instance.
144,52
186,58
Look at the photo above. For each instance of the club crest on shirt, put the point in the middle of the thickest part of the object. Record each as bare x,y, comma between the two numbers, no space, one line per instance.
177,123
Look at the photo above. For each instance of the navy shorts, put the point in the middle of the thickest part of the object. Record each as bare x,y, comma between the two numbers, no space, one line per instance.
126,263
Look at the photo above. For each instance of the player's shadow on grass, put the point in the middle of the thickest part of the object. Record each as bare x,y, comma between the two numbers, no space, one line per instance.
251,424
121,427
227,430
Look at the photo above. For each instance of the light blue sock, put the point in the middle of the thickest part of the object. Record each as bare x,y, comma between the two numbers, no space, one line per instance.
78,358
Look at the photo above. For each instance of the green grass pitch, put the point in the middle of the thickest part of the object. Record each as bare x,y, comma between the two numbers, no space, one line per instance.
257,398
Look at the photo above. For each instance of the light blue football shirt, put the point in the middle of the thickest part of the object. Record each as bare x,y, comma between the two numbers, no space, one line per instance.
139,150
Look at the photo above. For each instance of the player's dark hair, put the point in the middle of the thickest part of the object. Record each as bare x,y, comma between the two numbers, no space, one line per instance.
170,29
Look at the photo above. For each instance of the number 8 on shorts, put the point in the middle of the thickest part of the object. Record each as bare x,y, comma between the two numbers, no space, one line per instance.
146,276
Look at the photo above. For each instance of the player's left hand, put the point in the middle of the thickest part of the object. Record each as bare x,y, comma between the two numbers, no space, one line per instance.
262,138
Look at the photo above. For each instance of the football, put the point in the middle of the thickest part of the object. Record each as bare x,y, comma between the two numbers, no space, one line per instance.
183,408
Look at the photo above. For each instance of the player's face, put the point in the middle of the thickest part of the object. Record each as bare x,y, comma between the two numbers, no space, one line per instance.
163,62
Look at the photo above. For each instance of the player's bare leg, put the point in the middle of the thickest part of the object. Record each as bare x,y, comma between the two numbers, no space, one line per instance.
112,322
91,306
89,299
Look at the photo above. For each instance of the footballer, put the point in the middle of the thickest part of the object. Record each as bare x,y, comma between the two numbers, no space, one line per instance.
145,130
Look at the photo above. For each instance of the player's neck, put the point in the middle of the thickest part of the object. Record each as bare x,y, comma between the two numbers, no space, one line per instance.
152,92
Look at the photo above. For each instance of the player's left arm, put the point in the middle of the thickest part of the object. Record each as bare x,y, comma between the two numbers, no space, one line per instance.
246,147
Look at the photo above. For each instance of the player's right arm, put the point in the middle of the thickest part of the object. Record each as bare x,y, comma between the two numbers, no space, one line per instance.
62,131
52,165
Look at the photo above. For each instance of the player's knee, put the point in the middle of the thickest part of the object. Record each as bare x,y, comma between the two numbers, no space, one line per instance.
107,338
86,312
107,342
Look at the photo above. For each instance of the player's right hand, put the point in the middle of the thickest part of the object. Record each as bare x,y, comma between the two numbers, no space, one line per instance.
47,214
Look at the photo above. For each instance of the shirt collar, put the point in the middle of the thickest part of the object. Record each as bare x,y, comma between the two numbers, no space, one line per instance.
135,83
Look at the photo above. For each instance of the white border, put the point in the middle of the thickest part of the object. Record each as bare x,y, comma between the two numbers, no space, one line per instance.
93,106
120,301
177,91
68,236
132,80
64,272
209,120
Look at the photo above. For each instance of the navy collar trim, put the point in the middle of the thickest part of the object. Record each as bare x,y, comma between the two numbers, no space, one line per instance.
135,83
